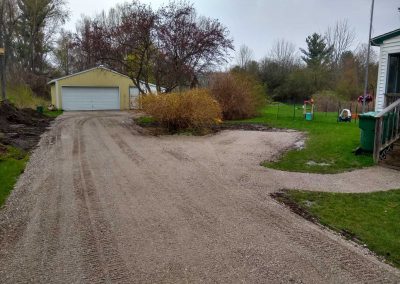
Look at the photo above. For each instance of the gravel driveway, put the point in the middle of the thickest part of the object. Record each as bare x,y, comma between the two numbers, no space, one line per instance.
101,203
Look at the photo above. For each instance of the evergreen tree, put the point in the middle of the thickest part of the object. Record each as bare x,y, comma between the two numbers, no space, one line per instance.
318,57
318,54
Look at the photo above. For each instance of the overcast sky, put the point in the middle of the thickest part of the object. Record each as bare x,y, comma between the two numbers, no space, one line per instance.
259,23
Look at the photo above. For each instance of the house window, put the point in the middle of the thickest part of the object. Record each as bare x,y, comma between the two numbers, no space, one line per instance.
393,84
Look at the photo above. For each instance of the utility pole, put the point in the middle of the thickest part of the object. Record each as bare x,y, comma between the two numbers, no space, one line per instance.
3,73
2,53
368,55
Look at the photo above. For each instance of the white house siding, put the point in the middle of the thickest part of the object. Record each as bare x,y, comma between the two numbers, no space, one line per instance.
388,47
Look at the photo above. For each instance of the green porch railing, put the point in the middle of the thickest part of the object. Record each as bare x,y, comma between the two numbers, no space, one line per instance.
387,129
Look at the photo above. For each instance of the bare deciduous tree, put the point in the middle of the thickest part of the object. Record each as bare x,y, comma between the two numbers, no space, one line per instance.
362,54
123,39
188,45
8,18
39,21
284,53
244,56
171,46
63,52
341,36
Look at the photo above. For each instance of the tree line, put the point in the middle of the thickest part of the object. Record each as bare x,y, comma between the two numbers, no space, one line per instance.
28,29
328,63
171,46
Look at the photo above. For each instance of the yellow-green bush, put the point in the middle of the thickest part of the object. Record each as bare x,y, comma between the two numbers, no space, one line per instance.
193,109
23,97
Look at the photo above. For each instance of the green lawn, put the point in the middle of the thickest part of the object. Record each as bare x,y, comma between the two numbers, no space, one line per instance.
329,144
145,120
371,218
53,113
12,164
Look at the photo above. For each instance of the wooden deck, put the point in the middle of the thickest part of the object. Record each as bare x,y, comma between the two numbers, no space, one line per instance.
393,158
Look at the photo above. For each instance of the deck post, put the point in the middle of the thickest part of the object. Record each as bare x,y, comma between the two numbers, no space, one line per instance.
378,138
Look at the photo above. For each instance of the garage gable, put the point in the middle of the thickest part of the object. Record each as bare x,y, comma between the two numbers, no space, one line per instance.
99,76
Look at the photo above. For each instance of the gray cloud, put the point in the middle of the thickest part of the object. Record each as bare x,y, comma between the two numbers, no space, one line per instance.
258,23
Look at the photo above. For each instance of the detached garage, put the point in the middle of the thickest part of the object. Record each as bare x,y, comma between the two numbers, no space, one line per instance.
98,88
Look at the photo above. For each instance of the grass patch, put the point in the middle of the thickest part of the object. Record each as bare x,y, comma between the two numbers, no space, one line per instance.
12,164
22,97
369,218
145,120
52,113
329,144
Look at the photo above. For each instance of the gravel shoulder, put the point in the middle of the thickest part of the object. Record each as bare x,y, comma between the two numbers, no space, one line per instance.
100,202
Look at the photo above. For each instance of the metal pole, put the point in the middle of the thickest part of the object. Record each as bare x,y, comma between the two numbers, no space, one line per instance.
3,74
294,109
368,54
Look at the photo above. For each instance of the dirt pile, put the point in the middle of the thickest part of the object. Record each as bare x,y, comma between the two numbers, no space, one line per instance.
21,127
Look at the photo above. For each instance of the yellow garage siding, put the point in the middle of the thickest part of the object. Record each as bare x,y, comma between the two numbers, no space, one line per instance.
53,94
97,77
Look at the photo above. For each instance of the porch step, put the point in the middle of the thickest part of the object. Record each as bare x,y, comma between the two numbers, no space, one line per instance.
393,158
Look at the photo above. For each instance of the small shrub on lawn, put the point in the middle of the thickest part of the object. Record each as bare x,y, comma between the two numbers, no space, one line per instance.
331,102
239,95
194,109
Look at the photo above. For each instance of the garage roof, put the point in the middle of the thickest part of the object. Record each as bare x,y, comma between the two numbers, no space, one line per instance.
85,71
98,67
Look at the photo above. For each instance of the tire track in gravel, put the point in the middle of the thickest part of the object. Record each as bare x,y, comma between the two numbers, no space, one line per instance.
313,241
26,240
184,203
52,223
140,209
341,258
345,259
190,209
128,151
102,259
166,191
44,246
163,270
12,232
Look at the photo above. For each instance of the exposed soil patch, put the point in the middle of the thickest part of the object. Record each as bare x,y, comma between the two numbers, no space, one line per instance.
243,126
3,149
155,128
283,197
21,128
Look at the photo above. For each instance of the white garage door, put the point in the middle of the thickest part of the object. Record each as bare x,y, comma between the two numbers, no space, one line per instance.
93,98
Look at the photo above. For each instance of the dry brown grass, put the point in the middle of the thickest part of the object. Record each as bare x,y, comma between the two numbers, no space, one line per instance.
194,109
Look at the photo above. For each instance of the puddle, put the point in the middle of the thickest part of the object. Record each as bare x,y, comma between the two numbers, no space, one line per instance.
299,145
312,163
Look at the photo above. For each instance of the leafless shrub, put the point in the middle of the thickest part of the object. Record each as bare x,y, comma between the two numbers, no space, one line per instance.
239,95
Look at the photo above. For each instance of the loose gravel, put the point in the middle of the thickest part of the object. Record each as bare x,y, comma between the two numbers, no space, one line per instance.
101,202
